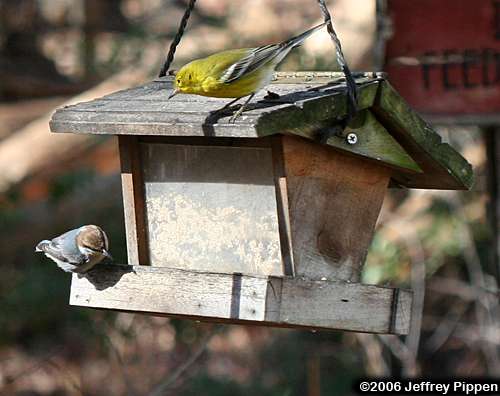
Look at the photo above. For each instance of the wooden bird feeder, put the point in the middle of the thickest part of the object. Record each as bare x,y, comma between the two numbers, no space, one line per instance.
256,221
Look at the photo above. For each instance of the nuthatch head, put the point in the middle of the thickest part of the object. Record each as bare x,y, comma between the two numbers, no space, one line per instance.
77,250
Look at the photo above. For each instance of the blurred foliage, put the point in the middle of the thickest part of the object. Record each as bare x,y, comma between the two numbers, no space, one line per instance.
67,183
36,312
386,260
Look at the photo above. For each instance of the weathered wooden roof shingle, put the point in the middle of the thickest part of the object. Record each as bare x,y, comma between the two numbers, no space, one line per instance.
388,130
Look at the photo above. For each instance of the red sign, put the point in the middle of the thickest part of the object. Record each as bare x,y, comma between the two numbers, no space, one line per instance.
444,55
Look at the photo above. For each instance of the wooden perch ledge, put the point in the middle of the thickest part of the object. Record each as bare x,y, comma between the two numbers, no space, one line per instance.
274,301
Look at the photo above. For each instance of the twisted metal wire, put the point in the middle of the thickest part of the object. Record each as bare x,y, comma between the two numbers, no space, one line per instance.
177,39
352,92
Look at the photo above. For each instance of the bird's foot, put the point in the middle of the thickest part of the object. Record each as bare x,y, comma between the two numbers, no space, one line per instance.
232,109
225,111
236,115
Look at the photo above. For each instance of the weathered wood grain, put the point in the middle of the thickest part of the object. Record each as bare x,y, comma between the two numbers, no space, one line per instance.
403,307
133,201
158,93
374,138
309,102
191,115
306,117
374,142
139,115
285,77
293,81
334,202
159,129
282,206
349,306
283,203
209,141
272,301
443,167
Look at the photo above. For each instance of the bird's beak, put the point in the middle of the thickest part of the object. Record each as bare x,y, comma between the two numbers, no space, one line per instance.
174,92
107,255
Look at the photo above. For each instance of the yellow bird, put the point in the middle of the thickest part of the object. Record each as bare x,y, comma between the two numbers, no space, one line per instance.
235,73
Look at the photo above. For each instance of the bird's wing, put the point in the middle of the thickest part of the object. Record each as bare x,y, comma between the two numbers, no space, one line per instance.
260,56
256,58
66,243
54,250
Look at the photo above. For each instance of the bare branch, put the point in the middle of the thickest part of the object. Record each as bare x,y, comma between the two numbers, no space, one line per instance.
376,365
172,379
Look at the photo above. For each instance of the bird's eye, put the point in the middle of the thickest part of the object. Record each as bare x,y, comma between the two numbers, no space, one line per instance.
178,81
190,77
91,248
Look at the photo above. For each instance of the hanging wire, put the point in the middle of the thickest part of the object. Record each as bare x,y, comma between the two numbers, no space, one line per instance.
352,92
177,39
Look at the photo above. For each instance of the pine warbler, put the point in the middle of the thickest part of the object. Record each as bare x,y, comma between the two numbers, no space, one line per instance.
235,73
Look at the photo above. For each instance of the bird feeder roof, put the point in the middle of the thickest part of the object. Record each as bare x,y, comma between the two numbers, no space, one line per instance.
307,103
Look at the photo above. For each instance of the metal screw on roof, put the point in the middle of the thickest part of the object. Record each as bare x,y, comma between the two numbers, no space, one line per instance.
352,138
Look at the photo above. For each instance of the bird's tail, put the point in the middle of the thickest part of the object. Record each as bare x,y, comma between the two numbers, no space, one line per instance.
40,247
298,40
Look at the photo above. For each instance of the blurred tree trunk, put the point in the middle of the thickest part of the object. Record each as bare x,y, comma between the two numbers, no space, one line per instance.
25,71
52,148
313,376
99,16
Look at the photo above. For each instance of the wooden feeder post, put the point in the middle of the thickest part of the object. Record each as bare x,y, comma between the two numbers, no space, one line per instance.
256,222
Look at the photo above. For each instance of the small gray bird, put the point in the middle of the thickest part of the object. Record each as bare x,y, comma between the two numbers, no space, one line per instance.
77,250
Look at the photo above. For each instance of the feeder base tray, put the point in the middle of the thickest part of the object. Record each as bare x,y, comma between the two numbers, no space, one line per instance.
245,299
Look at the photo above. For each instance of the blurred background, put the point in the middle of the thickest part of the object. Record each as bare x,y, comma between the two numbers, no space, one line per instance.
55,52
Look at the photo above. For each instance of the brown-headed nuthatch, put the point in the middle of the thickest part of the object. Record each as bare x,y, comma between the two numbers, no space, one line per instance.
77,250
